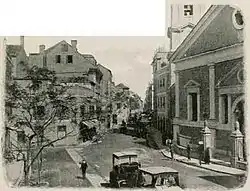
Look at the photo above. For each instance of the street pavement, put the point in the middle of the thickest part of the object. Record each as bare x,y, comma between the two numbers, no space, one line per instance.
14,173
99,158
59,170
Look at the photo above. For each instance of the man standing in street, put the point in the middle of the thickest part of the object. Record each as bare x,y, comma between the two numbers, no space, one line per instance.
200,150
188,152
172,150
83,167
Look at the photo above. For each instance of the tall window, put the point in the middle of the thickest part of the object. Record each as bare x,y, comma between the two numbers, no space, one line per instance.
44,61
188,10
192,106
163,101
224,112
70,59
58,59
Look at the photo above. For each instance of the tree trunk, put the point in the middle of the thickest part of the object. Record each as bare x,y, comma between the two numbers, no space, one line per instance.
26,161
26,173
40,159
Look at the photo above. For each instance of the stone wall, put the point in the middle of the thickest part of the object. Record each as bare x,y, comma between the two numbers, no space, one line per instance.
200,75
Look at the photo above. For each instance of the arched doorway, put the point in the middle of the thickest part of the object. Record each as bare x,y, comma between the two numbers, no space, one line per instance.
238,112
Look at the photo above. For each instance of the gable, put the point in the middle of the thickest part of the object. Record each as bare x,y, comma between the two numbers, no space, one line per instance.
192,84
219,33
64,47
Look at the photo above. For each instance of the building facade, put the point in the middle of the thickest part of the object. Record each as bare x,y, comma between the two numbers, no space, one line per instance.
106,92
182,19
79,72
209,84
160,86
148,102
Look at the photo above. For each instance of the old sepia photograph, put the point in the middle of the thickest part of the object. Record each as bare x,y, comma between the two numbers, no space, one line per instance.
129,112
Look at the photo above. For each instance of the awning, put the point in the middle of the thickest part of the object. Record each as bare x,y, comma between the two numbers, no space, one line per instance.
91,123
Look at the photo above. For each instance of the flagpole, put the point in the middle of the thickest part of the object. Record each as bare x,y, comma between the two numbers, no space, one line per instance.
171,25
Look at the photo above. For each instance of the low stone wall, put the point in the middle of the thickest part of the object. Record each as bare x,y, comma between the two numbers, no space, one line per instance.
183,151
242,165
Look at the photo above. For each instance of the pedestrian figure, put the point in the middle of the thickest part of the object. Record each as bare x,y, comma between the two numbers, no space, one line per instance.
207,156
200,151
83,167
188,152
172,150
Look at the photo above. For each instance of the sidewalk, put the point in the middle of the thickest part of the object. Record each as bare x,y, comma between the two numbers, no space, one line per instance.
212,167
14,173
93,178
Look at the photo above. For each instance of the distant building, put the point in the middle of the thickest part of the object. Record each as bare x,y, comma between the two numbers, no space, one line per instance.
182,20
124,102
106,93
159,64
148,102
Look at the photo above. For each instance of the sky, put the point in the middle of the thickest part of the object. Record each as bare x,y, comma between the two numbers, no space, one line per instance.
128,58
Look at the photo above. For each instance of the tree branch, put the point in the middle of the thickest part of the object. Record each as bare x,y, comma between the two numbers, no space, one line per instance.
30,126
49,120
40,150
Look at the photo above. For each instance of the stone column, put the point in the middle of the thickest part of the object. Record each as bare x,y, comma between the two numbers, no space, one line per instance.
198,106
229,103
212,91
237,145
177,101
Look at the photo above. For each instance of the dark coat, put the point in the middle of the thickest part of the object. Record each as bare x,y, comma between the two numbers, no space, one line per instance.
84,166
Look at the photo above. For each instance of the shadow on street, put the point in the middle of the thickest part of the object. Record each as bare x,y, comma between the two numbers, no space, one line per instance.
226,181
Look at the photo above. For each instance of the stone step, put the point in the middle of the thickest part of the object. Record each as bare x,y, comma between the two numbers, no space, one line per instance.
220,162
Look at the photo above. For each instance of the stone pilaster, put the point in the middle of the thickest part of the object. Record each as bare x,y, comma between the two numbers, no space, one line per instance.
229,103
212,91
198,106
177,96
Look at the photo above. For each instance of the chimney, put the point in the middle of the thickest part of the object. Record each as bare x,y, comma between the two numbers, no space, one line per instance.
22,41
74,44
41,48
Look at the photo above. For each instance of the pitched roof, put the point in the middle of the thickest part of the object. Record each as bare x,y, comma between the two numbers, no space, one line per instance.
209,34
121,85
196,30
99,65
88,57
